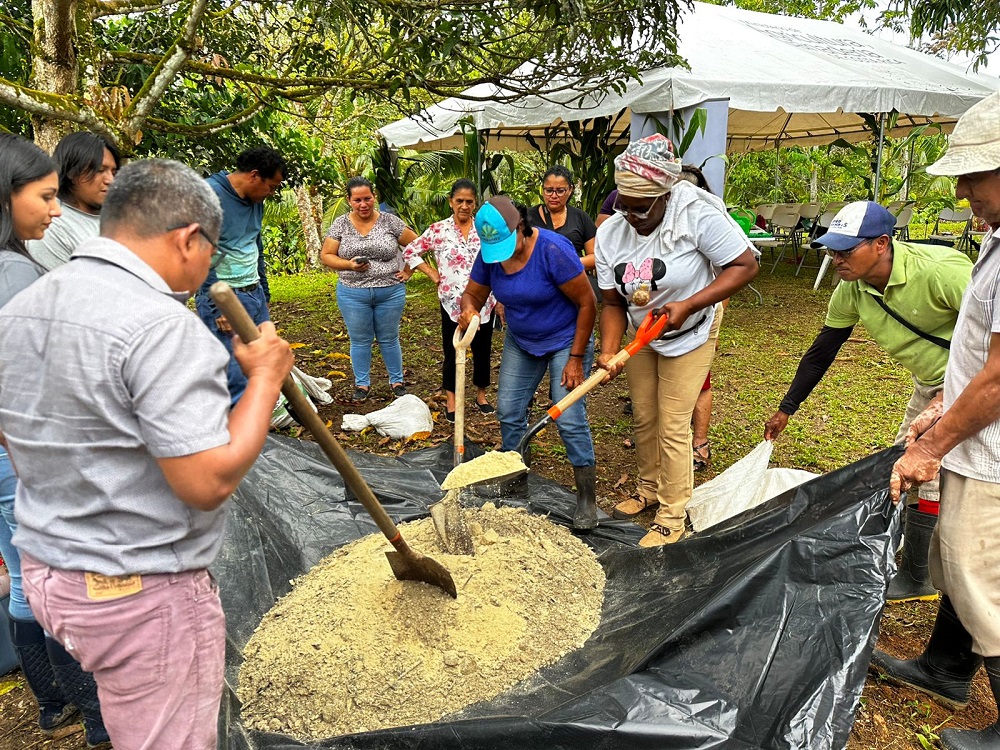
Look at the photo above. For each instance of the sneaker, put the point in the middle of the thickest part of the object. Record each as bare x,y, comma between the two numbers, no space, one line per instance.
486,408
360,394
661,535
450,416
398,390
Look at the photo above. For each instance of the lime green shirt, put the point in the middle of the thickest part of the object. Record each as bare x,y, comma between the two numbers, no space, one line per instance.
925,289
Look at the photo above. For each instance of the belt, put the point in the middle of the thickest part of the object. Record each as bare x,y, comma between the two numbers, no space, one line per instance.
686,331
247,289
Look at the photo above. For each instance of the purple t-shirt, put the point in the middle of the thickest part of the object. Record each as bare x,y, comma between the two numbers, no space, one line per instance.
608,207
540,317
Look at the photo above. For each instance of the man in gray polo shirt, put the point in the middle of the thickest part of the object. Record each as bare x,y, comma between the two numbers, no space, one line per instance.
960,434
115,412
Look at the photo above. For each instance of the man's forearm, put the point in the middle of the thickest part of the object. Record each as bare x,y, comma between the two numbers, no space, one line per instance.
977,407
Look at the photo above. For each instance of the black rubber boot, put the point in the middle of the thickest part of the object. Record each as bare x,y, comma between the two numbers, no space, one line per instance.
585,516
982,739
945,669
913,579
80,688
28,639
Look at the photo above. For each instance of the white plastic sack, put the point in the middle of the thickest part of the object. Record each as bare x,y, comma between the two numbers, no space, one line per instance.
315,388
744,485
403,418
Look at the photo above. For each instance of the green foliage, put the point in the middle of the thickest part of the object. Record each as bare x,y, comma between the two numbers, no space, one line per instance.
15,37
239,60
958,26
590,154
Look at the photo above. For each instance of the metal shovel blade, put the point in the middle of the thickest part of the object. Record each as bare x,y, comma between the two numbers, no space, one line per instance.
417,567
454,481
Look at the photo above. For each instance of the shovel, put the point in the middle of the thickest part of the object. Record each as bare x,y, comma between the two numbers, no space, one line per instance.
406,564
449,522
649,330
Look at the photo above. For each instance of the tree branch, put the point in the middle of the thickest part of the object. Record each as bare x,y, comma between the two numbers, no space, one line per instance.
123,7
50,106
209,128
165,71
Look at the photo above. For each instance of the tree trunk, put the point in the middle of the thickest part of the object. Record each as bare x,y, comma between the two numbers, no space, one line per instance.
306,203
54,65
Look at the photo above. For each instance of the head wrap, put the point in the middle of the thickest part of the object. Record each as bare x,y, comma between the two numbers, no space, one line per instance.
647,168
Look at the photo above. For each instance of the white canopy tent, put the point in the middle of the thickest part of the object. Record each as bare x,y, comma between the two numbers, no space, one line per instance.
788,81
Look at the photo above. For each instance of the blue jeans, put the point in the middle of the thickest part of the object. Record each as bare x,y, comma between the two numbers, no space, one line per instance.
373,314
520,374
256,305
19,608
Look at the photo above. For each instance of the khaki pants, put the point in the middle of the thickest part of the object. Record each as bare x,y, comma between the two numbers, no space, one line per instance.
965,556
922,396
664,391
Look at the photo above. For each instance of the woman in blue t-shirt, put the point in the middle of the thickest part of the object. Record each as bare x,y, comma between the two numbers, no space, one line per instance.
550,309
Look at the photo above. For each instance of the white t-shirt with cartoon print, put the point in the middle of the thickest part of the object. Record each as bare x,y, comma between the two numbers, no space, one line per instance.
670,265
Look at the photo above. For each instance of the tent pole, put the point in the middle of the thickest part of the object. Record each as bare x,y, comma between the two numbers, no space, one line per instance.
878,154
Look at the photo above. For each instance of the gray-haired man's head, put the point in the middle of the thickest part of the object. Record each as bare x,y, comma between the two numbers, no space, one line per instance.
153,196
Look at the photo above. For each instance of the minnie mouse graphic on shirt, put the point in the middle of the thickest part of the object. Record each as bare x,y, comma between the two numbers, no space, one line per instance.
629,278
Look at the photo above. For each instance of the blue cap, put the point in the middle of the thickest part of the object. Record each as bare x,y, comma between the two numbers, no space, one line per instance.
855,223
496,224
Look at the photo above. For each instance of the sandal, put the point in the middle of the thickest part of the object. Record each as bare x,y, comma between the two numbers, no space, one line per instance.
360,394
660,535
702,455
632,507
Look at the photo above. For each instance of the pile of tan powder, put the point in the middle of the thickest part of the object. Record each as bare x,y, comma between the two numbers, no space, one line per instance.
351,649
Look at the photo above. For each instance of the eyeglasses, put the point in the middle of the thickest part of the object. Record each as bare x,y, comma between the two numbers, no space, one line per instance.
217,253
974,178
845,254
640,215
555,191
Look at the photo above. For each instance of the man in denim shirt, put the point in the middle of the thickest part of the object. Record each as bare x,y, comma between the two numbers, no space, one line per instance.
239,259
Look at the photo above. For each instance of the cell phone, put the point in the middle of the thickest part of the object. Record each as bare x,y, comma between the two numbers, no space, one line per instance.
362,260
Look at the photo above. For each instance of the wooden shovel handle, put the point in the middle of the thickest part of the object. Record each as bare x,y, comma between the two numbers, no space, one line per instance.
244,326
648,331
465,341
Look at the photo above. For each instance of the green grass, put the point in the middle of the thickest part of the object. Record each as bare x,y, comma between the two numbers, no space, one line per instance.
854,411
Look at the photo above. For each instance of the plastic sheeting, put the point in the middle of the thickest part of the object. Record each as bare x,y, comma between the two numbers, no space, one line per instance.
754,634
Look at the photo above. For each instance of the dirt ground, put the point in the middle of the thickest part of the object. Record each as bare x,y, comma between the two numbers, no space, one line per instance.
888,717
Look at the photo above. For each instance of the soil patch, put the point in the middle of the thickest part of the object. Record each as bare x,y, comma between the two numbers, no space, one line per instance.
351,649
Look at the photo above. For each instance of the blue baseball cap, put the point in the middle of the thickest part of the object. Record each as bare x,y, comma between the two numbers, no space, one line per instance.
855,223
496,224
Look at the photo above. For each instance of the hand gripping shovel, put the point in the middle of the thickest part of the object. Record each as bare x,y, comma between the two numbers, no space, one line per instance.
649,330
406,564
449,523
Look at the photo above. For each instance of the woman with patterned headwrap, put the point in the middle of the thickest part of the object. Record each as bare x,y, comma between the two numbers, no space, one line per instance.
672,248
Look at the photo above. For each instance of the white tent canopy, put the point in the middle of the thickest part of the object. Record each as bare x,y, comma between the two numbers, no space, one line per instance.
788,81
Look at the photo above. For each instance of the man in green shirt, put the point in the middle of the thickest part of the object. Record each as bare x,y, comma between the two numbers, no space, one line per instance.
907,295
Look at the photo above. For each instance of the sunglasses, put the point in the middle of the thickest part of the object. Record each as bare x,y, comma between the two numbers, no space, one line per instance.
640,215
845,254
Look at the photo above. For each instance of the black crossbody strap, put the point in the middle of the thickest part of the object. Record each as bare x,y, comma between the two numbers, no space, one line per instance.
943,343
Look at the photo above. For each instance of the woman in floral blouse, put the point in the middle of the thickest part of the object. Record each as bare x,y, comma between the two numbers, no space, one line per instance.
455,245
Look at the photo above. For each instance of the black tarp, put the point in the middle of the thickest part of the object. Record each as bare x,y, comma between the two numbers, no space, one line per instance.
753,634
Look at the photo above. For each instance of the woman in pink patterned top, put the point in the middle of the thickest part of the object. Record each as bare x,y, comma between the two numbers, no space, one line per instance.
455,245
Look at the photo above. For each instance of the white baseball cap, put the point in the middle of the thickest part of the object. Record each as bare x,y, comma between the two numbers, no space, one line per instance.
974,145
855,223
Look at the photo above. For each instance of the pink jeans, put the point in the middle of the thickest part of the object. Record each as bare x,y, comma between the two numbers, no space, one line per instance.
158,655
